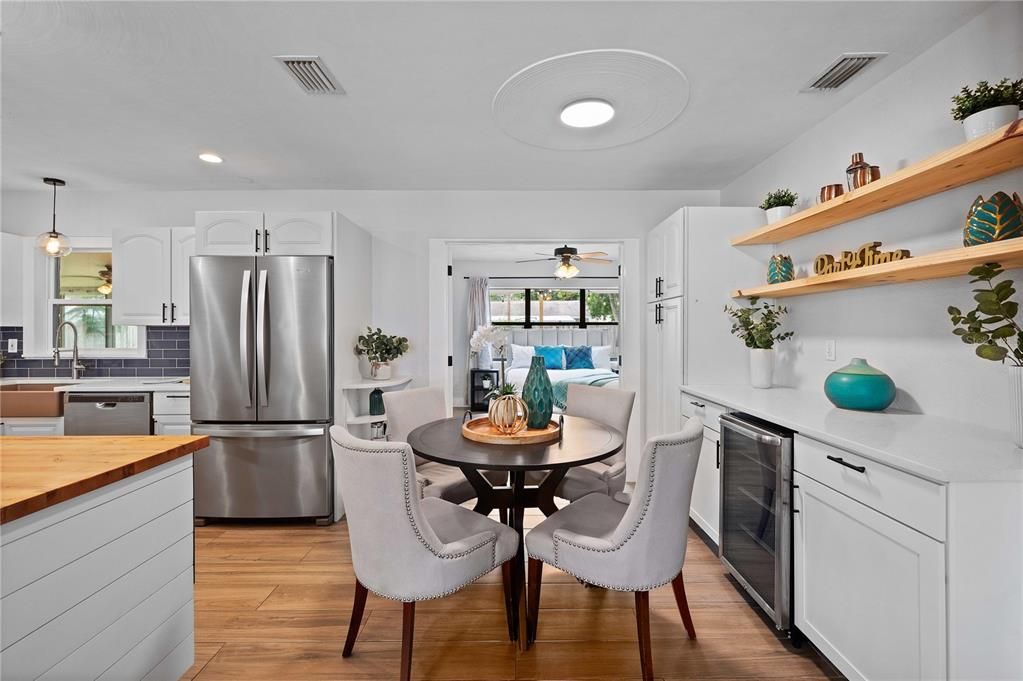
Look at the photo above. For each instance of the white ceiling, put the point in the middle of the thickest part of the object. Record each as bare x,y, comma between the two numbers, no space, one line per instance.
117,95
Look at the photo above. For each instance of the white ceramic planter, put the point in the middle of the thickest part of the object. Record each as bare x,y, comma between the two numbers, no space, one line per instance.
761,368
989,120
377,371
778,213
1016,403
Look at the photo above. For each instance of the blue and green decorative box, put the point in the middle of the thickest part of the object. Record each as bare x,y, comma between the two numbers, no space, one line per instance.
538,394
860,386
780,269
995,219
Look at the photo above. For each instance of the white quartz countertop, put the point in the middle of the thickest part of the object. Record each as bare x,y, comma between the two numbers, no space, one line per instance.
153,384
938,449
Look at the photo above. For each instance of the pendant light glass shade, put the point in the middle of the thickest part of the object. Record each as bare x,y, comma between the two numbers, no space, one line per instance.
566,271
53,243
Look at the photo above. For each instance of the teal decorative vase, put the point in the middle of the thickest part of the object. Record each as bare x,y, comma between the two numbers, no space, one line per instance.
860,386
780,269
995,219
538,394
376,402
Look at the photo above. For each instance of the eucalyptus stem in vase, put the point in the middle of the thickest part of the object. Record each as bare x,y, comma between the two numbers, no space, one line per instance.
757,326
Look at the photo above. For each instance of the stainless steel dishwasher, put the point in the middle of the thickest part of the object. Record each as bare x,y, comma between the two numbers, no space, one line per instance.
108,414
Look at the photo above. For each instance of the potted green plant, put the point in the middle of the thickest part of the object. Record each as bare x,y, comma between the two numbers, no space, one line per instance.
376,351
991,326
757,327
987,107
778,204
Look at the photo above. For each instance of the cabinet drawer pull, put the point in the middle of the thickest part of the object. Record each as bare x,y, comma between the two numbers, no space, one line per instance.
177,397
163,316
257,241
842,462
699,405
173,312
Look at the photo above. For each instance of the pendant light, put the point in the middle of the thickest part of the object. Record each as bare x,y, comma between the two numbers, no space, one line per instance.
53,243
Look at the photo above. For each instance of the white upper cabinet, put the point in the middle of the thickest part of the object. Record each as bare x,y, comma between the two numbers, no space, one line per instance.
255,233
182,248
142,276
664,259
228,233
151,275
299,233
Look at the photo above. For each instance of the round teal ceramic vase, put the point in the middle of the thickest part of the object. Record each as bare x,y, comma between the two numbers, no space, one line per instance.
860,386
538,394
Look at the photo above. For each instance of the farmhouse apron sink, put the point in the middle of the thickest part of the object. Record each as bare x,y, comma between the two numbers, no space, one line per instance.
31,399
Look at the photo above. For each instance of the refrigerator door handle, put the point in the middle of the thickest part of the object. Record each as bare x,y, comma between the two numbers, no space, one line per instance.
261,329
220,431
243,336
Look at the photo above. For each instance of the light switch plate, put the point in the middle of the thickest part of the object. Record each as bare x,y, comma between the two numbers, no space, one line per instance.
829,350
12,345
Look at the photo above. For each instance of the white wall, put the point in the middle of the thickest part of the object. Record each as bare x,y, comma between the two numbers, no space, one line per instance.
902,329
401,223
490,268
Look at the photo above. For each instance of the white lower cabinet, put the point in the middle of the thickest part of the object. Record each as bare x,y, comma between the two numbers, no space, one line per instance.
172,425
171,414
705,507
869,590
33,426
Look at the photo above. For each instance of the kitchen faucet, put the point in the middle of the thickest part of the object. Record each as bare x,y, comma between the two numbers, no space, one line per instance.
76,367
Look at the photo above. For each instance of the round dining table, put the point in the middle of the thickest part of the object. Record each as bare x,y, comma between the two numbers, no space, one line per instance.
581,441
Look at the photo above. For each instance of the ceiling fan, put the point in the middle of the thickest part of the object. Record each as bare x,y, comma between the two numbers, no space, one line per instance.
566,254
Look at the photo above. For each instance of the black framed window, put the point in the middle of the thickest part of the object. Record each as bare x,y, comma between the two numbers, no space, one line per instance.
529,307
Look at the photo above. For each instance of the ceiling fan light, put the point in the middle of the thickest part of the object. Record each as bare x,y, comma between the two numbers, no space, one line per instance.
105,289
566,271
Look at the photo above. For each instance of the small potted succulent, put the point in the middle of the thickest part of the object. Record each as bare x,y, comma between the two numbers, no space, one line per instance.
376,351
992,327
987,107
507,412
779,204
756,326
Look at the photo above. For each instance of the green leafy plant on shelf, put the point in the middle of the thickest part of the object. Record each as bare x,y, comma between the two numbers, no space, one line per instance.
779,198
991,325
984,95
756,325
381,347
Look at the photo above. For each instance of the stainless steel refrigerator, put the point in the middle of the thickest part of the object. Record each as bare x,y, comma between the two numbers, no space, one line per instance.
262,371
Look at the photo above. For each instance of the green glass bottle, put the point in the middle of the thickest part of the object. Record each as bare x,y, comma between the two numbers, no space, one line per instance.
376,402
538,394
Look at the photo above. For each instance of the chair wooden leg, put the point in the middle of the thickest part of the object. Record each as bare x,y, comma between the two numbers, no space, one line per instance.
506,578
646,659
353,625
679,587
534,580
408,625
502,513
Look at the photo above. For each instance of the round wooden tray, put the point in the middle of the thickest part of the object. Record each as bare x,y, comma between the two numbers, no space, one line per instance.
480,430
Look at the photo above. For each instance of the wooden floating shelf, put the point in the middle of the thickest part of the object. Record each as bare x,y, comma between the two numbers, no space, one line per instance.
951,263
992,154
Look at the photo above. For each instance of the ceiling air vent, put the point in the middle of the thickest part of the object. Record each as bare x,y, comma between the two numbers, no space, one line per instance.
311,74
841,70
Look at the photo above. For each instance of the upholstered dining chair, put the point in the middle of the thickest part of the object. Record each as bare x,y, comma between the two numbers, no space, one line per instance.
612,407
407,410
637,546
404,548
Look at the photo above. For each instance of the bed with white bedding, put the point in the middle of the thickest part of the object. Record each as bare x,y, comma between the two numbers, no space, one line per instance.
560,378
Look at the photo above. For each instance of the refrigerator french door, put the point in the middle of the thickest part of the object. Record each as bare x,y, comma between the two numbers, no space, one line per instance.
261,366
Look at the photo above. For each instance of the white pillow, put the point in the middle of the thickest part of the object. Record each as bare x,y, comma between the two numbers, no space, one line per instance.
521,356
601,356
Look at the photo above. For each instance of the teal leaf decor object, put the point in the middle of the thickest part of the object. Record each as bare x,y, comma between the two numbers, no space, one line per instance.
995,219
860,386
538,394
780,269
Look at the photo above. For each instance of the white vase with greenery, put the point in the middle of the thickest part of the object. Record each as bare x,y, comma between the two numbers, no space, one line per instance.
779,204
376,351
992,327
986,108
757,327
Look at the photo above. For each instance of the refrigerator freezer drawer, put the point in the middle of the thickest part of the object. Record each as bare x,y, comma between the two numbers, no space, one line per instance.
263,471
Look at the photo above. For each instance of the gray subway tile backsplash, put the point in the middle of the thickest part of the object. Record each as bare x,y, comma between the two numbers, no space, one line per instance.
166,355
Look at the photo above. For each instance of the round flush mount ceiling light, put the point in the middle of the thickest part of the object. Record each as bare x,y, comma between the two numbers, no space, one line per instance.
210,158
587,113
636,93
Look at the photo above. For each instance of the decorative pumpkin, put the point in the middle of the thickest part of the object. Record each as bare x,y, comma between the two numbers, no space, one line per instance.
508,413
780,269
995,219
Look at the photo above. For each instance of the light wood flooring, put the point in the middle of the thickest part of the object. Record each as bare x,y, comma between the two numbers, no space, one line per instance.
273,602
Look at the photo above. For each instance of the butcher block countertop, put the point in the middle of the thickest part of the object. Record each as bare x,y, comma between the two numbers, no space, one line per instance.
39,472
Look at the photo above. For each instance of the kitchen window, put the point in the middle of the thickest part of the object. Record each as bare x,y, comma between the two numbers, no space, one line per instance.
554,307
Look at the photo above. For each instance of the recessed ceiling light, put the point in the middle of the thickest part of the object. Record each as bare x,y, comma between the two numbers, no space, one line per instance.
210,158
587,113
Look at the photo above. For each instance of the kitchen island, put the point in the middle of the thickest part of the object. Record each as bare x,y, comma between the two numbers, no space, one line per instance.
96,557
